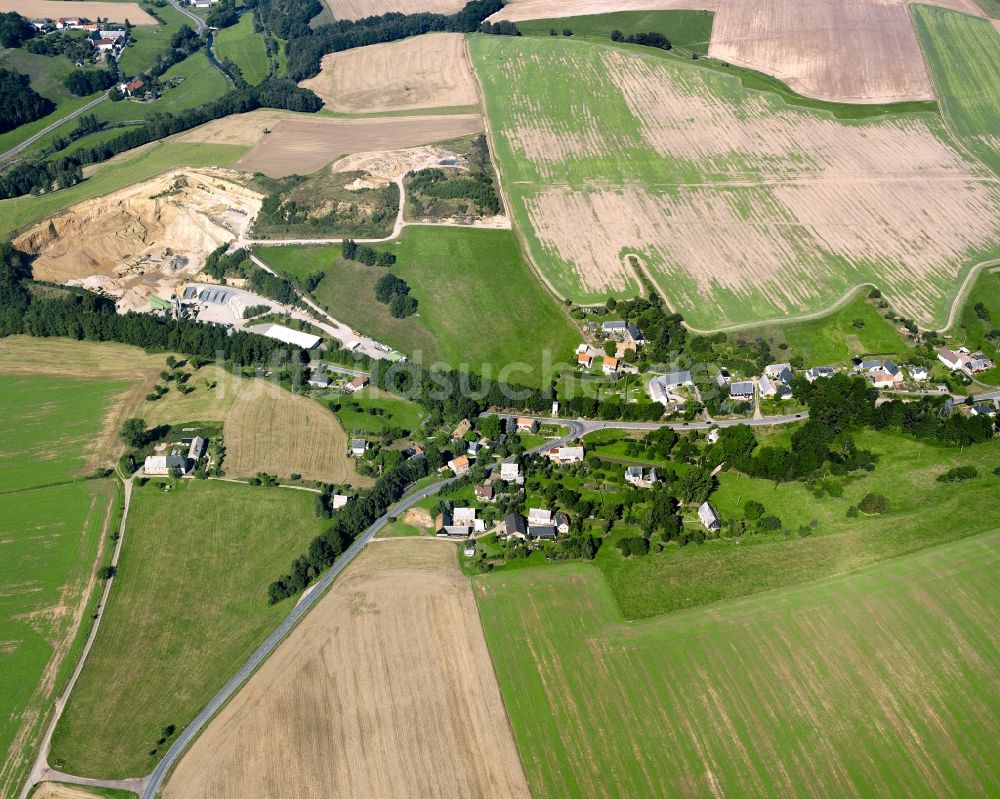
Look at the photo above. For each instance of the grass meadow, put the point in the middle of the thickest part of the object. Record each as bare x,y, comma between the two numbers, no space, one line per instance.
924,513
51,528
242,45
148,41
371,412
961,52
478,302
688,30
875,683
648,181
971,330
189,606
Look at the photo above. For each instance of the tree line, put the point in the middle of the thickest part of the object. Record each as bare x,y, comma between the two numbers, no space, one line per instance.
395,292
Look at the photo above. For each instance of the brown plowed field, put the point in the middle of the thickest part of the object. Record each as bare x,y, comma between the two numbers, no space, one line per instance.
271,430
53,9
861,51
301,145
431,71
359,9
386,689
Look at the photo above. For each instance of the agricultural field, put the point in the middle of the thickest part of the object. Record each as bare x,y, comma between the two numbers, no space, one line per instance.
301,145
59,790
58,422
189,606
739,207
359,9
147,42
686,30
112,10
269,429
960,50
924,512
372,412
385,690
461,278
896,695
429,71
242,45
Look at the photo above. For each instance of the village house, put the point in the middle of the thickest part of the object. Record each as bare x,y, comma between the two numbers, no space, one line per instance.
472,450
984,409
317,380
459,465
113,35
445,527
977,363
562,523
131,88
779,371
918,373
358,447
511,473
526,424
338,501
708,517
464,427
610,365
41,25
742,391
564,455
816,372
636,475
661,386
542,532
584,359
623,331
466,517
104,45
357,383
165,464
485,493
514,526
950,359
768,388
68,22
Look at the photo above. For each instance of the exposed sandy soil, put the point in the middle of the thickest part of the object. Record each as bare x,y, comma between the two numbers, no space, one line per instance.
774,191
862,51
431,71
385,689
391,164
358,9
301,146
145,239
268,429
53,9
419,517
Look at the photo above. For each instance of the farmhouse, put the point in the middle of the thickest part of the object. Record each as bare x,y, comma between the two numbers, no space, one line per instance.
357,383
514,526
358,447
104,45
708,517
624,331
464,427
635,475
563,455
464,516
950,359
112,35
485,493
610,365
977,363
816,372
768,387
742,391
661,385
197,449
473,448
459,465
584,359
445,527
918,373
780,371
164,464
562,523
68,22
131,88
984,409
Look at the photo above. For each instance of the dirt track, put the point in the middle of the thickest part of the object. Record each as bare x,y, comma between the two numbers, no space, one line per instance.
386,689
431,71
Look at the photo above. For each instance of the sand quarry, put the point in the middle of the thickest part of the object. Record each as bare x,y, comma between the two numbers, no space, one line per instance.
53,9
145,239
385,689
431,71
859,51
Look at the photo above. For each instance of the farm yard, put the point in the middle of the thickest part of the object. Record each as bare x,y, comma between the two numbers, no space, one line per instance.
458,276
801,207
429,71
269,429
189,605
385,690
895,696
301,145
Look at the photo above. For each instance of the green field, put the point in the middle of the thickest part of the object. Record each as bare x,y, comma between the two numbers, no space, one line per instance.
478,302
924,513
690,30
961,52
358,413
124,170
834,338
51,527
148,41
971,330
881,682
242,45
188,606
698,195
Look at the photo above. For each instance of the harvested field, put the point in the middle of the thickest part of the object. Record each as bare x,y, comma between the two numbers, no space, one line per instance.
145,239
58,790
430,71
856,51
385,689
53,9
272,430
359,9
800,206
301,146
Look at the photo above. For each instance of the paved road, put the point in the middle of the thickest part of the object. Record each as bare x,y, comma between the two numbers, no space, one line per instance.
199,23
49,128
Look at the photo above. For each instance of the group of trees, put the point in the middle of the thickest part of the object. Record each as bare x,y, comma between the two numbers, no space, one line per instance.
395,292
501,28
223,15
365,254
219,264
14,29
278,288
645,39
82,82
19,103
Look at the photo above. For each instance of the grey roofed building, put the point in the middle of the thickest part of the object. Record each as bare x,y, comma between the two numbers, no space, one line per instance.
514,524
891,367
871,363
614,327
197,448
983,410
741,390
777,369
319,381
164,464
661,385
541,531
819,371
634,333
708,516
